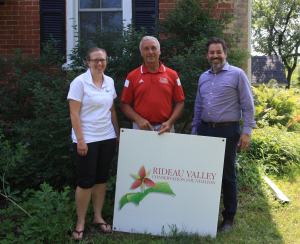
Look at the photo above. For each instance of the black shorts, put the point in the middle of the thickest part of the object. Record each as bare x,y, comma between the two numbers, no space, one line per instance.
93,168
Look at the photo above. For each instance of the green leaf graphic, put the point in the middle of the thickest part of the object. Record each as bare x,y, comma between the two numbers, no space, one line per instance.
163,187
136,197
136,176
124,199
147,175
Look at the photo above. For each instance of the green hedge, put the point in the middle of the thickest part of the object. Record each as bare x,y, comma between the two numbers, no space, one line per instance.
34,109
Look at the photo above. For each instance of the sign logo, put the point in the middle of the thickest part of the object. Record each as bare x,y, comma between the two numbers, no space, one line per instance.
163,80
143,180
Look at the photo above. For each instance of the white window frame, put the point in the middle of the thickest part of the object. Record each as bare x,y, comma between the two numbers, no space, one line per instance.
72,18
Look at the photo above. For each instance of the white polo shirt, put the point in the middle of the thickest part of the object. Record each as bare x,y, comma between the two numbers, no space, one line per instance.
95,114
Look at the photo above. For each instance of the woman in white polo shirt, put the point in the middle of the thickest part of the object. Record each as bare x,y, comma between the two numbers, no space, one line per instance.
95,135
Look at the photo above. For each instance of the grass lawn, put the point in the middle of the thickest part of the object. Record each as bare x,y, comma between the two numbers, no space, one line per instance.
261,218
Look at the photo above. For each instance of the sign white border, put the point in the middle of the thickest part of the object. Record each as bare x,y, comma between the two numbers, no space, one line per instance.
191,165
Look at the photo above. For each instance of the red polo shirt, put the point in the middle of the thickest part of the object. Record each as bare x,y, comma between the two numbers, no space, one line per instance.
153,93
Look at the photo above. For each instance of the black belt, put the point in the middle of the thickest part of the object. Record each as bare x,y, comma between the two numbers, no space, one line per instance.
156,123
218,125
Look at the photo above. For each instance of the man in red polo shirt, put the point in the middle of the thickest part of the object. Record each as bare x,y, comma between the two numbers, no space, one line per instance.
152,87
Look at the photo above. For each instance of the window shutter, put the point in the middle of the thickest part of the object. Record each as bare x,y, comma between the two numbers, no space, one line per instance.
144,14
52,21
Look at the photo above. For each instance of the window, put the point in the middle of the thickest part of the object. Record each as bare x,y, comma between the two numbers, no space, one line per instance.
62,18
75,8
95,14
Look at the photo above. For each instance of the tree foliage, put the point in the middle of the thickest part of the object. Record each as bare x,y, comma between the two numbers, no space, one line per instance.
276,31
188,26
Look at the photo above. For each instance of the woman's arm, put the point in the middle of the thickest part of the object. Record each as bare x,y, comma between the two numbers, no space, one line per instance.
114,121
75,106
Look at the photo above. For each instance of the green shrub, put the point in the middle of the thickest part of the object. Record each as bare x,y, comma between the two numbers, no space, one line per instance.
276,149
52,217
274,105
249,171
9,157
34,111
294,126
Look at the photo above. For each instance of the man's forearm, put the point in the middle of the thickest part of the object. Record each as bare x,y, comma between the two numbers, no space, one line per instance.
176,113
129,112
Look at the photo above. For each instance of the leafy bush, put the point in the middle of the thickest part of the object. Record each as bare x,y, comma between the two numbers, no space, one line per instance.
276,150
35,112
9,156
249,171
274,105
52,217
294,124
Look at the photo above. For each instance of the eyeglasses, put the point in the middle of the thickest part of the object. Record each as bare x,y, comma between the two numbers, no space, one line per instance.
98,60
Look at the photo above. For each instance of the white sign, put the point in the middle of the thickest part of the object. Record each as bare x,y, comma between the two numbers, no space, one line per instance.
176,179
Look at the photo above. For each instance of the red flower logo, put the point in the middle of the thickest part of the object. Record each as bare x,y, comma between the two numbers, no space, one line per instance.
143,179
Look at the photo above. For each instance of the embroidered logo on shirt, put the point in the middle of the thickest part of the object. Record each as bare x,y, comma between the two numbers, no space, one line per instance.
126,83
163,80
178,82
107,90
141,81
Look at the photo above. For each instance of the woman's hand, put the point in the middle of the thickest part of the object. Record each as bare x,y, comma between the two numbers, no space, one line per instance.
82,148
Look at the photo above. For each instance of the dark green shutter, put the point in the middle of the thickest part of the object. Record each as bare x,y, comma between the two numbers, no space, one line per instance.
52,21
144,14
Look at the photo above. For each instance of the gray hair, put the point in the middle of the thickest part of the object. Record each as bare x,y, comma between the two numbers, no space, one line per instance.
149,38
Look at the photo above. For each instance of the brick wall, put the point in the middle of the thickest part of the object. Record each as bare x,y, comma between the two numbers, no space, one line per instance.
20,26
163,6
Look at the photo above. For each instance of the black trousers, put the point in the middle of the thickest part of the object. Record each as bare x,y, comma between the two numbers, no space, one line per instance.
93,168
229,180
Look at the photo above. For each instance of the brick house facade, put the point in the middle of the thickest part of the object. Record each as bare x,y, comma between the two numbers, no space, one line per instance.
25,24
20,26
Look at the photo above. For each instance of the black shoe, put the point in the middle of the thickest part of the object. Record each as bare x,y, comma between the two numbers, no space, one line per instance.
226,225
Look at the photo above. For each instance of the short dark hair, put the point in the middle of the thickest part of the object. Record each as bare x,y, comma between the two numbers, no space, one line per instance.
216,40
